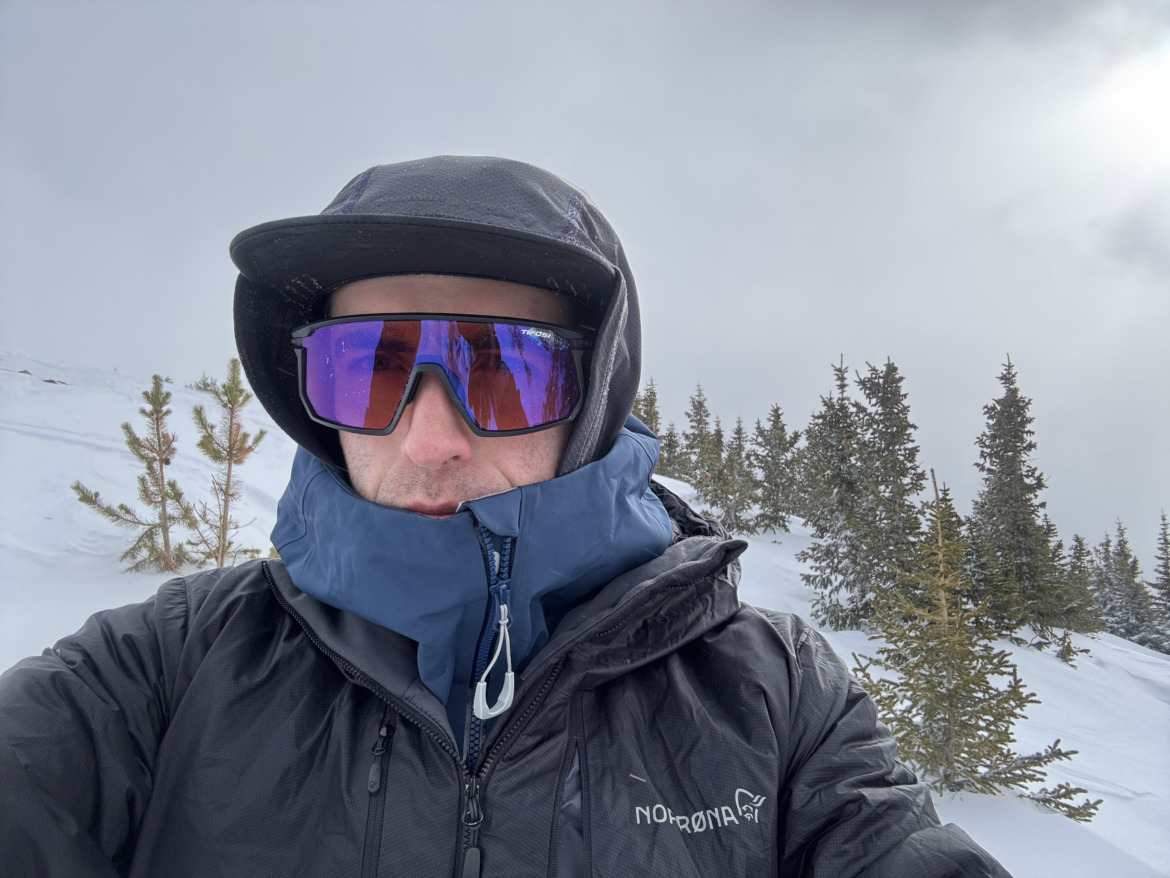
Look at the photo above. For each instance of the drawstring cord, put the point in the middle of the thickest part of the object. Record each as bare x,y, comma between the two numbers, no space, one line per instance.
503,643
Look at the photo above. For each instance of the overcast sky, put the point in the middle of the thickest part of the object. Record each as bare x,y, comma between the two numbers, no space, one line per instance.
941,184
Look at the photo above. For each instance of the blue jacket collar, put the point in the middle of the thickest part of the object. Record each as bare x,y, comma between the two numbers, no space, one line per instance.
427,579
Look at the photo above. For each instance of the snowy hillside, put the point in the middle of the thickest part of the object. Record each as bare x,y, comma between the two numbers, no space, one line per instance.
58,564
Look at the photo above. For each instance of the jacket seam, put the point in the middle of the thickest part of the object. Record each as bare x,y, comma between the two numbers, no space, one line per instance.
442,221
627,612
171,669
582,769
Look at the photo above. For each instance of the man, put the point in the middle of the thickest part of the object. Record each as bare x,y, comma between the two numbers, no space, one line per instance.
492,646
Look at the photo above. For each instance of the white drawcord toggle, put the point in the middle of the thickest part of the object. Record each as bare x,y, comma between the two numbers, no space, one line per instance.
504,642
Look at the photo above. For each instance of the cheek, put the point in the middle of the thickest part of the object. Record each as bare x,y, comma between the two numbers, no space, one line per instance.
526,460
361,461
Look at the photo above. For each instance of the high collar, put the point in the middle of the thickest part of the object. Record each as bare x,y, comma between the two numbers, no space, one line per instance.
426,579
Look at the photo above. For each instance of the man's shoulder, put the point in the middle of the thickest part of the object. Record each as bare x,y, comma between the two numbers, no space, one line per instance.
247,577
209,599
773,629
764,642
789,627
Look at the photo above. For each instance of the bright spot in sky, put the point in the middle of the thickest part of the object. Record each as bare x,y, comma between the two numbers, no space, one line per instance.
1130,110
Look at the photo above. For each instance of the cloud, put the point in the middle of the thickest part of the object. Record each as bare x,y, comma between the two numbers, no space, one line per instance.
1141,235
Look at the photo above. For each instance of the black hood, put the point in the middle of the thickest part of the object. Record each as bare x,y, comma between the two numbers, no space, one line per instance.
462,215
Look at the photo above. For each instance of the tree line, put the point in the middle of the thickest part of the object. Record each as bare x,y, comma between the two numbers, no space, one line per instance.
853,475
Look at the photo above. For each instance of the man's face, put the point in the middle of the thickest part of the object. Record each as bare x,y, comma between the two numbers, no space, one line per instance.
432,461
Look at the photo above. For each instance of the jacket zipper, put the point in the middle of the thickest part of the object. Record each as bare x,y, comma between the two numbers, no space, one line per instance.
555,660
372,852
471,792
499,570
374,784
475,726
472,818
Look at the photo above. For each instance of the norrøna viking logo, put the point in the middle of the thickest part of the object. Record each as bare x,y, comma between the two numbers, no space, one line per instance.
748,805
747,808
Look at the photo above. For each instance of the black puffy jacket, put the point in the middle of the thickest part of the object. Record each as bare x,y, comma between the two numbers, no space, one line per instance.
234,726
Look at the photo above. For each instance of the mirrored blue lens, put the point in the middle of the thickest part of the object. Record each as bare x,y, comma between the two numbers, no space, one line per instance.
506,376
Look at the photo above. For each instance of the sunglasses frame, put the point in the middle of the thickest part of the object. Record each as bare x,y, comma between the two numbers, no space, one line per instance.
579,343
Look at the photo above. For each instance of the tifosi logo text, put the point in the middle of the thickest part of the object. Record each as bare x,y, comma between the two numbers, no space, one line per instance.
746,809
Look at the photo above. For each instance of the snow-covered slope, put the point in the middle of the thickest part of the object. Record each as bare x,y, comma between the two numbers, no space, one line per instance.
58,564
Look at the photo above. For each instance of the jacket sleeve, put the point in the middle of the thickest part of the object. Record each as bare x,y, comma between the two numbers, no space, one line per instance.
850,807
80,728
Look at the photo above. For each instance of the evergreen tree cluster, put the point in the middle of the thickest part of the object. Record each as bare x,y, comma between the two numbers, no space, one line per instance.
747,478
853,476
938,589
1131,607
858,483
209,525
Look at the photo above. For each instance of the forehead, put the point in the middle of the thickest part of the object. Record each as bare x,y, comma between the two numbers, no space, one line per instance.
436,293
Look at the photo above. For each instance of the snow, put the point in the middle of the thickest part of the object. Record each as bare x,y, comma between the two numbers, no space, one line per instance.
59,563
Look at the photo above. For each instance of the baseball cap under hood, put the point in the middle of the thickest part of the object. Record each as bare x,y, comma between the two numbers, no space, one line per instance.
463,215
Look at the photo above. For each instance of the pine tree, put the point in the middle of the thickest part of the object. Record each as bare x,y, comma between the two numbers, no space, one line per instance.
670,455
951,718
909,581
833,500
700,455
1126,605
732,490
227,445
772,458
893,476
156,546
1012,569
1084,615
1069,604
646,406
859,482
1052,607
1160,584
1104,588
717,444
1079,611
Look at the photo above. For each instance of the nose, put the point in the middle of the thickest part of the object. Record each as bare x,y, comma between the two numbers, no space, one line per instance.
435,431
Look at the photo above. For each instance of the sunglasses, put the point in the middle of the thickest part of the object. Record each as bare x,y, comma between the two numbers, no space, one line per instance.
507,377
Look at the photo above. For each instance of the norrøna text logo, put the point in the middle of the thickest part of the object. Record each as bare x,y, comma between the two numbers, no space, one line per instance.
747,808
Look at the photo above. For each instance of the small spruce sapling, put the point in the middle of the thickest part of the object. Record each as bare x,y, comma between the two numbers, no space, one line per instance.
227,445
155,548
